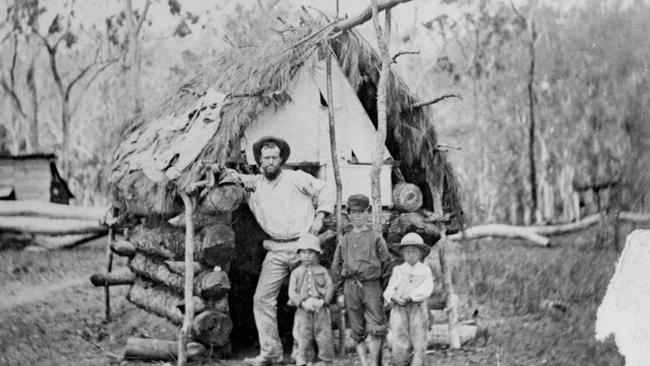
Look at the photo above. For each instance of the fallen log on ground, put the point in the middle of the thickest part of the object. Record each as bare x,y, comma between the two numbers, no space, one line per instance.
121,277
566,228
40,225
587,222
123,247
635,217
52,210
66,241
500,230
156,349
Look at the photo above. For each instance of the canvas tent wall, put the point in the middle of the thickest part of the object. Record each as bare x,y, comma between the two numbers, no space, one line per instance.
303,122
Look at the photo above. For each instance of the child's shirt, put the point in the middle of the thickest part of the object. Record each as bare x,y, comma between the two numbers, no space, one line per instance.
310,281
361,255
416,281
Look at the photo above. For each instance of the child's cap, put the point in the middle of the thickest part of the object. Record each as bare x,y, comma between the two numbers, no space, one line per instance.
413,240
358,202
309,241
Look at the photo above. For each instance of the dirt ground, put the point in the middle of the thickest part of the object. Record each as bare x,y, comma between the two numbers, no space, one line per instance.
50,314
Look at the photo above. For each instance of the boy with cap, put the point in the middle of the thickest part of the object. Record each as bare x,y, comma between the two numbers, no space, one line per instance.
408,289
311,290
361,261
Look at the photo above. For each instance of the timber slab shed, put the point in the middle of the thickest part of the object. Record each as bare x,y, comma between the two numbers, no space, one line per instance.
32,177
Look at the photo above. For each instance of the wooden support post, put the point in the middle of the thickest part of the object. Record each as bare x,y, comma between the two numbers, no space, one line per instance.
189,279
109,268
337,177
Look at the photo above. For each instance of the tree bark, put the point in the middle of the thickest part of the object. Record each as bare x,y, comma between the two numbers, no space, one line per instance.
157,300
380,140
178,267
117,278
155,270
156,349
164,241
52,210
531,127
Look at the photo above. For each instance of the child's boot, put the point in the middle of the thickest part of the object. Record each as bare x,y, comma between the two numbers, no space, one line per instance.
374,348
362,350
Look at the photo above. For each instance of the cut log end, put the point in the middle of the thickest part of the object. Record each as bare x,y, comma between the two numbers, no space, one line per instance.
117,278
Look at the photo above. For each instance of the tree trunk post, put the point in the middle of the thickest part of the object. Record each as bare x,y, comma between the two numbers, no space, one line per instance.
109,268
380,141
335,165
189,279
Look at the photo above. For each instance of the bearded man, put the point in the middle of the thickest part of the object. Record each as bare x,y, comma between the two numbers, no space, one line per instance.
286,204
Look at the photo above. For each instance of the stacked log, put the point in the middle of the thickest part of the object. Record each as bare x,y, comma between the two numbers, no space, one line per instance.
156,274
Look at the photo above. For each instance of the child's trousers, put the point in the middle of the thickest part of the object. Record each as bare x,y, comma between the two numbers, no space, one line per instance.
407,336
309,327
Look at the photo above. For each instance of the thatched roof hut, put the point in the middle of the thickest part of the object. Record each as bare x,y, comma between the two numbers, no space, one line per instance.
258,80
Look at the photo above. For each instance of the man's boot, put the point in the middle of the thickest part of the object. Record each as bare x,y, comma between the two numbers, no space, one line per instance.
362,350
374,348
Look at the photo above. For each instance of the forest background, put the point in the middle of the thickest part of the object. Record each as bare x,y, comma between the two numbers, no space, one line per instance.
73,73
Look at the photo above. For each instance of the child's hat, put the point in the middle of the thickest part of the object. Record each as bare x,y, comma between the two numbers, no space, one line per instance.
309,241
358,202
413,240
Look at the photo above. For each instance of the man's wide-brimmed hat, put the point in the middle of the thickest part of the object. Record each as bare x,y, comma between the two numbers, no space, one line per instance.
309,241
285,150
413,240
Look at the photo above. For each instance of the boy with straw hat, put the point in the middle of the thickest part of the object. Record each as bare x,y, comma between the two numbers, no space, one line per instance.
311,290
408,289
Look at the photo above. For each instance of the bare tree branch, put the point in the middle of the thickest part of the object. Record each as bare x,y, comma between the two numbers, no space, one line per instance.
435,100
366,15
12,69
143,17
400,53
14,97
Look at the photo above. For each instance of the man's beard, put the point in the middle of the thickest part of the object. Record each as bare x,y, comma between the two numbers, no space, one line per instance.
271,175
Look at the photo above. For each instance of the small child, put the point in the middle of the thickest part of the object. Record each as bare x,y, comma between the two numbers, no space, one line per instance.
311,290
361,261
408,289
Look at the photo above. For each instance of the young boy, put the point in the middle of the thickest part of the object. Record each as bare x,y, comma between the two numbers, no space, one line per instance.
311,290
361,260
408,289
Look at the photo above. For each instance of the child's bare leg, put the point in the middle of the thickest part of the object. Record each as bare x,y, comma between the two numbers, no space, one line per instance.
374,350
362,350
